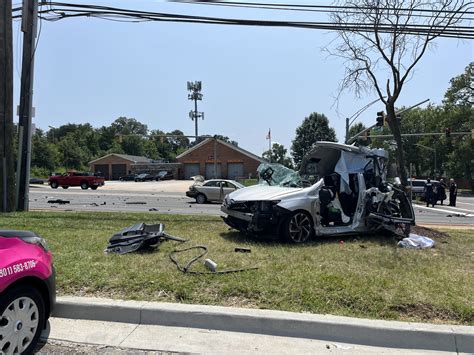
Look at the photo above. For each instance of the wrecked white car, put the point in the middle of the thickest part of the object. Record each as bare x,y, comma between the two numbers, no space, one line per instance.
343,191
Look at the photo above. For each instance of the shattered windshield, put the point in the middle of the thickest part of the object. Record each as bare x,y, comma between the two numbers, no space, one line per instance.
278,175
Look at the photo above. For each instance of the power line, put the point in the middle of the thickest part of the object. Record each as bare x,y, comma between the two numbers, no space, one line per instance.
320,8
55,11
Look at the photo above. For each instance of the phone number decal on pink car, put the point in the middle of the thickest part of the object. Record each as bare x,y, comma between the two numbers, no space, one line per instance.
14,269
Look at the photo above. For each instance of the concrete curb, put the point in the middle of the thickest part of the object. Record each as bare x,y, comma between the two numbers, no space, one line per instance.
300,325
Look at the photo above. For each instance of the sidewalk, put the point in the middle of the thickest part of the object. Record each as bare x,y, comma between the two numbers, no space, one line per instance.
88,337
136,316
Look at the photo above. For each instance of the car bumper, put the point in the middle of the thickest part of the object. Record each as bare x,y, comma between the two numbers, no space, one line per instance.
260,221
191,194
51,285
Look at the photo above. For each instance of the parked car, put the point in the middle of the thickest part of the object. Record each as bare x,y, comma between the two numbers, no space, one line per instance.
164,175
350,196
418,187
76,178
27,290
212,190
144,177
130,177
34,180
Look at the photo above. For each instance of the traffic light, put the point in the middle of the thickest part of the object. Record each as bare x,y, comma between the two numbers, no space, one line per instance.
380,118
447,131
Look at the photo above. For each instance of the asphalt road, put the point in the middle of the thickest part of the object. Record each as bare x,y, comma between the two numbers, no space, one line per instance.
162,197
169,197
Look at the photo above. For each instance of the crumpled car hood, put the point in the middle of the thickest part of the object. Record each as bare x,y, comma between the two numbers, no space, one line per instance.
262,193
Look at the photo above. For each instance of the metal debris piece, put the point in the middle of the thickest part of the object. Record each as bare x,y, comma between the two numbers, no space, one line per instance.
59,201
137,237
211,265
242,250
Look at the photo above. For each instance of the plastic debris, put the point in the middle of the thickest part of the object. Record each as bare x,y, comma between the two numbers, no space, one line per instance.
415,241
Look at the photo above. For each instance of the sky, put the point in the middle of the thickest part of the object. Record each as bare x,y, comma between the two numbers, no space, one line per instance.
253,79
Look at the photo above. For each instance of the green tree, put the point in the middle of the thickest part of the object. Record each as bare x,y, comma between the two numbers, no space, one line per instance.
178,142
163,146
108,138
133,145
43,153
71,155
314,128
460,90
278,154
150,150
126,126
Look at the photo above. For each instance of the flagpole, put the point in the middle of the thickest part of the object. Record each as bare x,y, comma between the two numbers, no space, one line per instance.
269,139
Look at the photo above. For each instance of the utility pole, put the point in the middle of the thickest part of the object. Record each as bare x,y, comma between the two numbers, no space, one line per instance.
28,27
7,173
195,94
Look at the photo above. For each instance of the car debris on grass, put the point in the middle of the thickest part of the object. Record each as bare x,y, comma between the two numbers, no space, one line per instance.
142,237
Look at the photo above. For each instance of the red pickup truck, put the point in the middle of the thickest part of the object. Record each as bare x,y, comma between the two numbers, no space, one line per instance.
75,178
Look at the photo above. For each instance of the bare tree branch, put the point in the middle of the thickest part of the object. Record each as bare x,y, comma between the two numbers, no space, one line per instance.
382,42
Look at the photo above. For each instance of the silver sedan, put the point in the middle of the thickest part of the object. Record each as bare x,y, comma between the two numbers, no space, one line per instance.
212,190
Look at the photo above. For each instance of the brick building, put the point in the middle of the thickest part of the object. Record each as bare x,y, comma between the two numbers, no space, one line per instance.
113,166
230,161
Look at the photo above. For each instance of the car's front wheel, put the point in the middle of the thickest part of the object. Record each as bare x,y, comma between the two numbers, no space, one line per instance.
201,198
84,185
22,317
54,185
298,227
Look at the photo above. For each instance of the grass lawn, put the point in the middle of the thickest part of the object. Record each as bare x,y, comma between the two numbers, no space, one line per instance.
367,276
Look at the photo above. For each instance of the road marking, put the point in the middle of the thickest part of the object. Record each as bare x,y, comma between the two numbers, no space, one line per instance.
434,209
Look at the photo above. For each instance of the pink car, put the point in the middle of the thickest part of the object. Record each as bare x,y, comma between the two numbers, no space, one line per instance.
27,290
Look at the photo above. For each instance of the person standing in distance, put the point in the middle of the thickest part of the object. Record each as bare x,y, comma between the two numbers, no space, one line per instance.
453,192
429,193
441,195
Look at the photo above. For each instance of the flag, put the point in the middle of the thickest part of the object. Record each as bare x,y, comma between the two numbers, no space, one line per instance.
269,135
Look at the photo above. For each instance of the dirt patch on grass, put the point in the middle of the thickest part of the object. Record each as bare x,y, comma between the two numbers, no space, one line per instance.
429,232
430,313
241,302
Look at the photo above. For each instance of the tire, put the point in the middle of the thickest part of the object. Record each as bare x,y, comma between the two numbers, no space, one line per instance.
22,318
297,227
54,185
201,198
65,187
84,185
94,187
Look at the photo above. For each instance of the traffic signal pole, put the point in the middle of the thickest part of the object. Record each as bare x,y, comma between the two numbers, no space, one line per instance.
28,27
354,138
